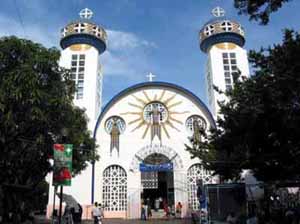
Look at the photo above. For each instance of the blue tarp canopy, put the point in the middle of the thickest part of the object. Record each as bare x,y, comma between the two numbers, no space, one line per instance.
159,167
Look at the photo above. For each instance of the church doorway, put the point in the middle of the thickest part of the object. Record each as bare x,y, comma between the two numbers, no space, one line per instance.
158,184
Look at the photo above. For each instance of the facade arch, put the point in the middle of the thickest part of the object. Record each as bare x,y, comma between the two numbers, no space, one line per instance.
148,150
194,173
114,192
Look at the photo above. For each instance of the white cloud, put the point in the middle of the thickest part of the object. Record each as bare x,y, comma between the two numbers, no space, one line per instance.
119,40
126,55
116,65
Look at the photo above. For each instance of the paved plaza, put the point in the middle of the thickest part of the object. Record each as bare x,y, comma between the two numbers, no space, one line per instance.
136,221
153,221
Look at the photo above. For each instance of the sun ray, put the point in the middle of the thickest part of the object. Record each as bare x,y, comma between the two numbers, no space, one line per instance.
162,95
169,99
146,131
165,130
140,100
176,112
147,97
155,97
132,113
172,126
174,104
173,119
134,121
139,125
135,105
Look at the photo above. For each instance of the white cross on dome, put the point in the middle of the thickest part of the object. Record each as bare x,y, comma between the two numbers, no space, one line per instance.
218,12
150,76
86,13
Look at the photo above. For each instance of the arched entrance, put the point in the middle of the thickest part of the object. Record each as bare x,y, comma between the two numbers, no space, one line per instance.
157,154
157,181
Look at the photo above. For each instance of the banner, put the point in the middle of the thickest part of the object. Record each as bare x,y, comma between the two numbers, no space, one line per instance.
160,167
62,171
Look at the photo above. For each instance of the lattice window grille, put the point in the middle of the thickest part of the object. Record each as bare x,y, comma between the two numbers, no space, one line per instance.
149,180
115,188
194,173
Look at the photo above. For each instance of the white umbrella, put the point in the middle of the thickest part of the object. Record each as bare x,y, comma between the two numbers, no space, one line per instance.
70,201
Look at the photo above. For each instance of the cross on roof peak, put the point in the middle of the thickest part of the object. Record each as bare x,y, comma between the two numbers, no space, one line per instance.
86,13
150,76
218,12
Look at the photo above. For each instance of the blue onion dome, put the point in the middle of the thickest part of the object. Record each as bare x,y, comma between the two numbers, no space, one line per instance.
84,31
220,30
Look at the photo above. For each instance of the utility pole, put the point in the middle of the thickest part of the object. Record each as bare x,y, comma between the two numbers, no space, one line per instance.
60,204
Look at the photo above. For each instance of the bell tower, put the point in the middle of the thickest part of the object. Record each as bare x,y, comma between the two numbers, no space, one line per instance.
222,39
82,42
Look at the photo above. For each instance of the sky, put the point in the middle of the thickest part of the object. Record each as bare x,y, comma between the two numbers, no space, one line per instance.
158,36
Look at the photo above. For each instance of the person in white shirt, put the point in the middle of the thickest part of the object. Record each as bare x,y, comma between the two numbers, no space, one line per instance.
96,213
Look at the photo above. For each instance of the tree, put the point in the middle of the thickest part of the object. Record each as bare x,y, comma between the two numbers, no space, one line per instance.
36,111
259,126
259,9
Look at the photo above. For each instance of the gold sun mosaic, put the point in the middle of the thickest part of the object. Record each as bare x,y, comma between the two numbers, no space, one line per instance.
155,114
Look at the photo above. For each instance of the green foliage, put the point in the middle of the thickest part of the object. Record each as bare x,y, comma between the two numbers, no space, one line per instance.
258,127
35,106
259,9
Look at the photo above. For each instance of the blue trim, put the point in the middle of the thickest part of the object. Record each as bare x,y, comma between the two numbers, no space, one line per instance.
222,38
153,84
93,182
83,38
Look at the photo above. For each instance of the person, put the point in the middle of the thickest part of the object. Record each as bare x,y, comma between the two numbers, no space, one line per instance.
156,204
149,212
101,213
169,211
67,216
96,213
178,210
146,210
143,212
231,219
166,209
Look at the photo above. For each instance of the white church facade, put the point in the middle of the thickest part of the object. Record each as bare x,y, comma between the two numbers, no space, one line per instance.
142,132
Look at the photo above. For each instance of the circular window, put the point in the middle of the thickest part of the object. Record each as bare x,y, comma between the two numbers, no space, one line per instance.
115,121
190,123
155,112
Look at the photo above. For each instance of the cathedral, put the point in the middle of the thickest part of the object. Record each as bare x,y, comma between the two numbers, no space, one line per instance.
142,132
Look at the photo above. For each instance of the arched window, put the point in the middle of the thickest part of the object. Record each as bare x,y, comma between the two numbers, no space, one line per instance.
115,188
194,173
189,124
